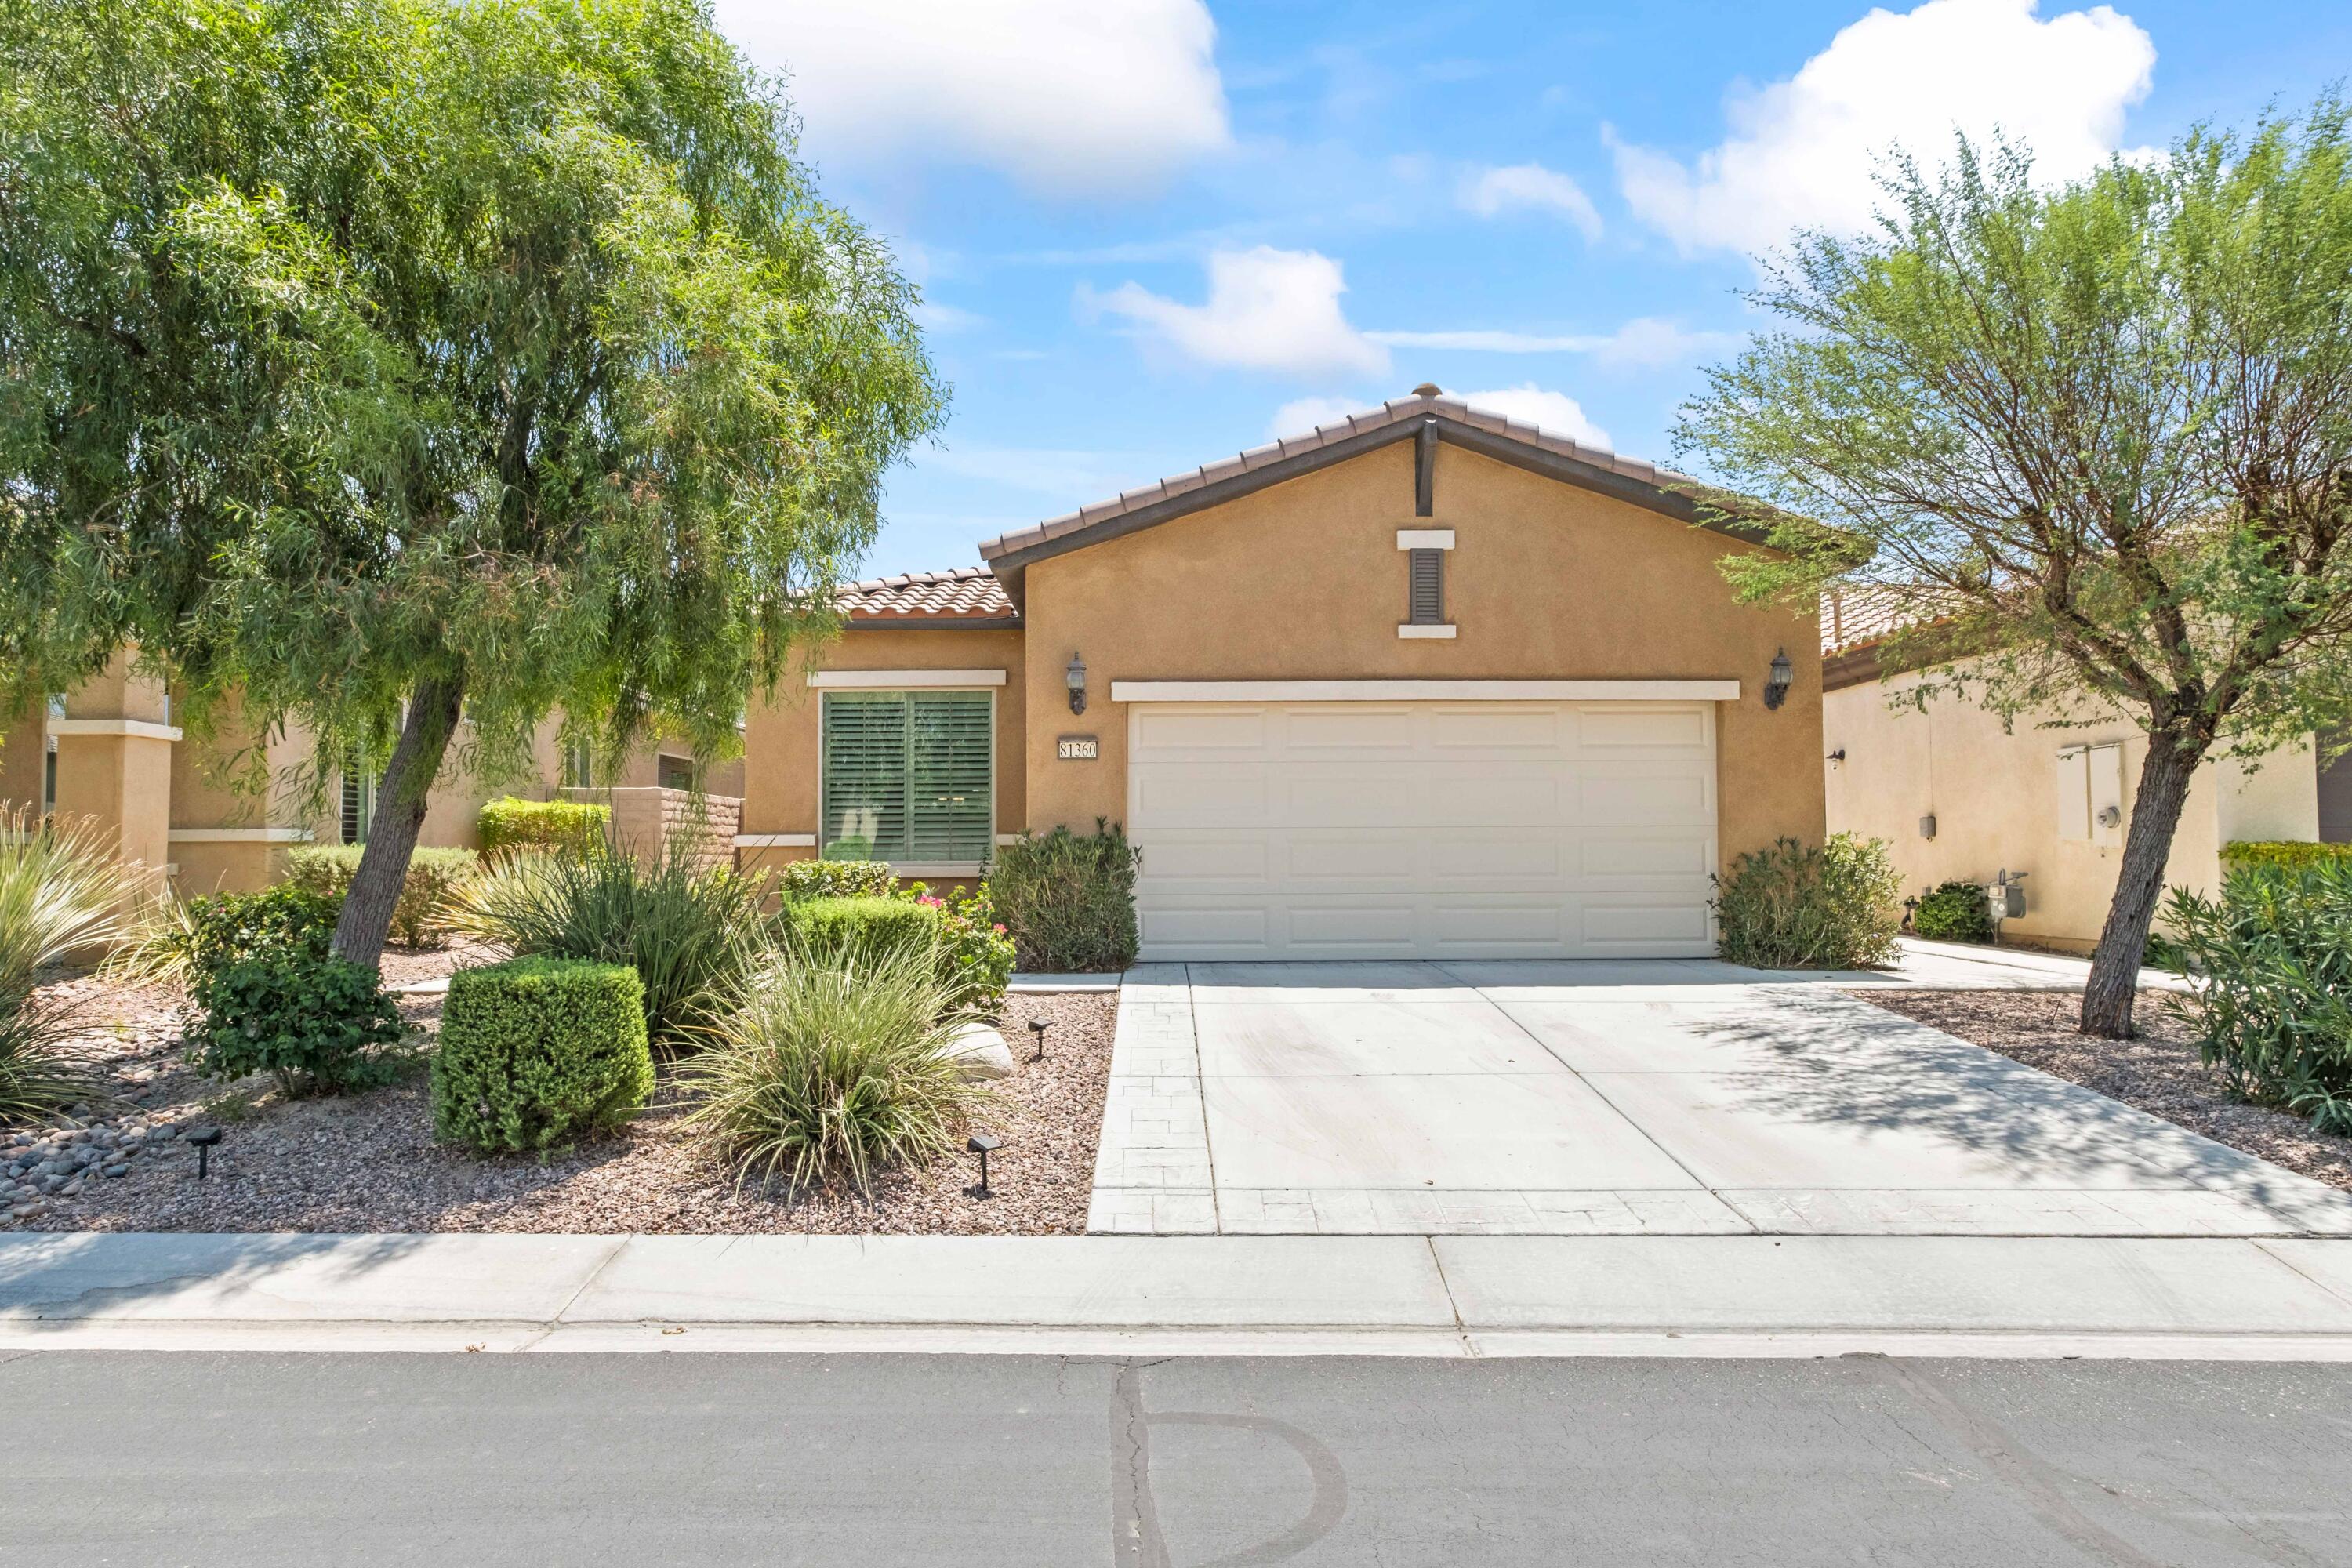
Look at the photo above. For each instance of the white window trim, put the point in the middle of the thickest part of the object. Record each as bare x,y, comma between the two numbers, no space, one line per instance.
1424,538
239,836
1440,629
775,841
145,728
1424,692
903,679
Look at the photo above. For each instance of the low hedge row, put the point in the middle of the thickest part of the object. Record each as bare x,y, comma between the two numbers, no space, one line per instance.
558,826
2256,852
537,1051
1068,898
428,894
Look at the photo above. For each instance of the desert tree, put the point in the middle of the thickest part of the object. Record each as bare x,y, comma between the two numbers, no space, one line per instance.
380,367
2095,441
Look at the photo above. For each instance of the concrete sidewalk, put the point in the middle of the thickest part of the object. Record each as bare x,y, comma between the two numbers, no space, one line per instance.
1445,1296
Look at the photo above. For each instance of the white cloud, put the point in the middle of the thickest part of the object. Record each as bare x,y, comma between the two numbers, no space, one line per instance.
1645,341
1301,414
1046,469
1069,96
1554,411
1531,404
934,316
1801,151
1268,310
1490,192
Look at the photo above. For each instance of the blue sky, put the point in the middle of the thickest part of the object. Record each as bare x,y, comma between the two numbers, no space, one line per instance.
1152,232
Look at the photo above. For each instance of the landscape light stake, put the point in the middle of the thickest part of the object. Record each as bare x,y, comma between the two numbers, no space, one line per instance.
981,1143
1037,1027
203,1137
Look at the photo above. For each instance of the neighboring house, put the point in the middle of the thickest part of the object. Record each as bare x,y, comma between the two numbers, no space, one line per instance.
1960,797
1420,683
110,751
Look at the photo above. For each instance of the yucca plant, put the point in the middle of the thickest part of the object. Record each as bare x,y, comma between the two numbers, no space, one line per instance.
685,929
63,894
832,1062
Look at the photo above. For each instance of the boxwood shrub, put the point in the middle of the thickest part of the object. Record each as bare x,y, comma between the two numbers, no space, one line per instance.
864,928
558,826
1954,911
428,894
537,1051
2257,852
1068,898
837,880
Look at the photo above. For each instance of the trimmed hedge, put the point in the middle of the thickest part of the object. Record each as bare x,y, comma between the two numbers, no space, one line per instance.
1954,911
1069,900
2256,852
837,880
428,892
558,826
1792,907
537,1051
864,928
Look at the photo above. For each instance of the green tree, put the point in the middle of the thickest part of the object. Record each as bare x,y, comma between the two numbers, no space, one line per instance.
377,365
2096,441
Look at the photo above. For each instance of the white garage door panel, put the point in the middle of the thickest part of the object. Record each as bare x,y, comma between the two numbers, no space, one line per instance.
1341,830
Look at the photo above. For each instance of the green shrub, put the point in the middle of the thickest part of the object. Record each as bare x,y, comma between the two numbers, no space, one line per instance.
832,1064
61,893
686,931
557,826
1954,911
314,1023
837,880
539,1051
428,894
213,932
863,928
1068,899
2293,854
2273,1010
1790,906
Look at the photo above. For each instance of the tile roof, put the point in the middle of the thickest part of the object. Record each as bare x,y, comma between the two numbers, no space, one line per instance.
1424,401
1856,614
966,593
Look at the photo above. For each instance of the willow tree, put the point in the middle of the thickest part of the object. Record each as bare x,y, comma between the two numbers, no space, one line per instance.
2096,439
370,364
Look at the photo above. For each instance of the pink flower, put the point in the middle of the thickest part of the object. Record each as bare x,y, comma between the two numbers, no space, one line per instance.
998,929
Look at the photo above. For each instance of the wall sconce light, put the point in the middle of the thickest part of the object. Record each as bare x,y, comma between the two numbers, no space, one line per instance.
1075,675
1776,685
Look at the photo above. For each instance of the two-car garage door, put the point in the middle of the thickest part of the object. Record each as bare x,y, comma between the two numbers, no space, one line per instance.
1427,829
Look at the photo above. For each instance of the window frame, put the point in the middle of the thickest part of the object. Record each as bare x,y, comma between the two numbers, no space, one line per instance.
907,694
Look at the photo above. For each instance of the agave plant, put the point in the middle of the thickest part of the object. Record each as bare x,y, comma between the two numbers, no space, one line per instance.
832,1062
63,894
680,925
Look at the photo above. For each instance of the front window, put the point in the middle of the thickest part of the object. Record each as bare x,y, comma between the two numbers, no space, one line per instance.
908,775
359,798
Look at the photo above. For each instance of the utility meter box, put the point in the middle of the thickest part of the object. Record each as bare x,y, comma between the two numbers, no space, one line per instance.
2006,898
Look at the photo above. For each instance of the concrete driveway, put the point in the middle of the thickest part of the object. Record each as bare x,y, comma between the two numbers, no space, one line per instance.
1660,1097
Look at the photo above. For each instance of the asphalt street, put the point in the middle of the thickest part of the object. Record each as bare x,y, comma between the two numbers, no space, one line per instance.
257,1460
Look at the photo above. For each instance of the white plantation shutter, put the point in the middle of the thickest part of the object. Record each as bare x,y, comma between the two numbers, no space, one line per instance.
907,775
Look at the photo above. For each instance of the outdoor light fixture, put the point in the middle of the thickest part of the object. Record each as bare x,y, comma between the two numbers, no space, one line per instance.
1075,675
981,1143
203,1137
1037,1027
1776,686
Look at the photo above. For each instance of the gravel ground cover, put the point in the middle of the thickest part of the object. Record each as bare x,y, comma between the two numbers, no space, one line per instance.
2159,1072
368,1163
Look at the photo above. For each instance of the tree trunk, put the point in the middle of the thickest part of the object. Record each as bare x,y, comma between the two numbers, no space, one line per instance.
2156,813
425,734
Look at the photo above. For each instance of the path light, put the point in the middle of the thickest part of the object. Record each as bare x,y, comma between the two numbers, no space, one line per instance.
981,1143
203,1137
1037,1027
1776,686
1075,676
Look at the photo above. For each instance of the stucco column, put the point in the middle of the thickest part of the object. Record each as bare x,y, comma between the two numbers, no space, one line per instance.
114,763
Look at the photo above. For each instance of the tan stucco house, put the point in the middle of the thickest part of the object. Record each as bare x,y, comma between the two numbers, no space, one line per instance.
1420,682
1962,798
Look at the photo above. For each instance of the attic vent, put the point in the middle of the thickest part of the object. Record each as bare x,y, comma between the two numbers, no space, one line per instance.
1426,604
